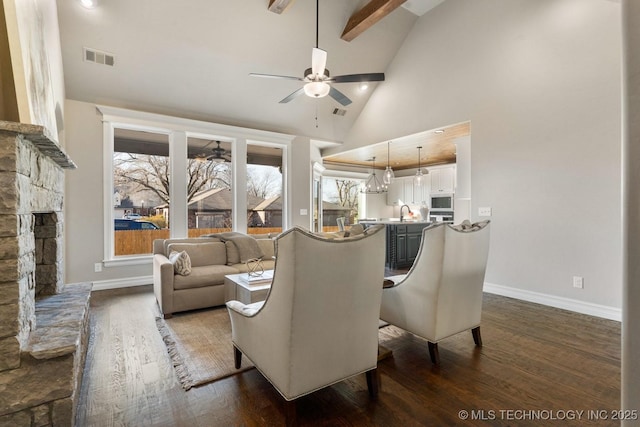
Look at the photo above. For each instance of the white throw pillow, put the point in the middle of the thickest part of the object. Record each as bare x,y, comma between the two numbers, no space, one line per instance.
181,262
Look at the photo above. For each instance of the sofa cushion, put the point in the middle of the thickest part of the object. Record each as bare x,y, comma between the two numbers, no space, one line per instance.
162,245
181,262
209,275
202,254
233,255
268,248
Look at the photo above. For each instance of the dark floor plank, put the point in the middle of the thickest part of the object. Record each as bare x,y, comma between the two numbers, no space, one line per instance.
534,358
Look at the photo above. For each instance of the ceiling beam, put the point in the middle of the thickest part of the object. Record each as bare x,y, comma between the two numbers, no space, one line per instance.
366,17
279,6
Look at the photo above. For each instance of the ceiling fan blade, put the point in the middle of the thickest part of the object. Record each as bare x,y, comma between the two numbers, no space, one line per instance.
318,61
339,96
274,76
358,78
293,95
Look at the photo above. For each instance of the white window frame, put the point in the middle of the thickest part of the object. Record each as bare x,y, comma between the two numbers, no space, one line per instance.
178,131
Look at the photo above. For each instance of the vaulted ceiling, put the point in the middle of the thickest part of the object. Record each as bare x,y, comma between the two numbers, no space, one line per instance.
193,59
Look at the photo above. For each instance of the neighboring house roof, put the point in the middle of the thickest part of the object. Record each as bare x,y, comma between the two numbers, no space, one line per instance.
328,206
272,204
219,199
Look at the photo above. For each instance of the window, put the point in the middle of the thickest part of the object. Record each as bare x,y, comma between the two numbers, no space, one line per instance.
160,173
141,190
264,189
341,198
209,186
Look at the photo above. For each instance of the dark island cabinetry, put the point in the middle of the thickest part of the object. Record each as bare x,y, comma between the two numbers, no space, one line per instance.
403,242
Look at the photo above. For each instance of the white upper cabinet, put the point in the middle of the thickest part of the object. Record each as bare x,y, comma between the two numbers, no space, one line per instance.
408,190
438,180
443,180
395,192
402,189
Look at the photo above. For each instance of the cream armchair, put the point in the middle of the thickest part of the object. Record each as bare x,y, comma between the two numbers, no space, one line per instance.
319,323
441,295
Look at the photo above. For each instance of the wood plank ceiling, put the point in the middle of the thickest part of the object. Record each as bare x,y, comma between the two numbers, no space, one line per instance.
437,148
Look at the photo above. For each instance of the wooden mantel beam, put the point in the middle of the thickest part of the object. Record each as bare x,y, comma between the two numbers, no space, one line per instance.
279,6
366,17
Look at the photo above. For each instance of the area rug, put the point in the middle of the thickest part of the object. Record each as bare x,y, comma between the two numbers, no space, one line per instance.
199,344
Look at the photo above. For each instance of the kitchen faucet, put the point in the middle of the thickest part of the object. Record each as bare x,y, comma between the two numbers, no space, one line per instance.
408,211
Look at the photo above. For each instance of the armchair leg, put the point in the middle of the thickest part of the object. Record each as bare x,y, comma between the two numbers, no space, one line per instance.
237,357
433,353
167,315
476,336
290,413
372,383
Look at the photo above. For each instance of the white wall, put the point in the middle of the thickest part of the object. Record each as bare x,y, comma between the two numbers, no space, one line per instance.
540,82
84,199
301,177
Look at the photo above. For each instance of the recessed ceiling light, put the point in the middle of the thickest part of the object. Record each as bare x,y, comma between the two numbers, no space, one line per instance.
364,86
89,4
440,131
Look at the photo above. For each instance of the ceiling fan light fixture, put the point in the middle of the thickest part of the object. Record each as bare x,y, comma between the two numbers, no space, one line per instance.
317,89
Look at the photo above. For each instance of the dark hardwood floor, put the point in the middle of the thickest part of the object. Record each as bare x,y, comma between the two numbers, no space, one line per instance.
538,366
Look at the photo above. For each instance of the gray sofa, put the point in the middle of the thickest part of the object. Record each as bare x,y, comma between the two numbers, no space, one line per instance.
211,260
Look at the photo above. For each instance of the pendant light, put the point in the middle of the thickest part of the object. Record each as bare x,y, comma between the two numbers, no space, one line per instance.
388,172
418,179
373,185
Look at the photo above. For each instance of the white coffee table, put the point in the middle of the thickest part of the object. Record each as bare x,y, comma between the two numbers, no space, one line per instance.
240,288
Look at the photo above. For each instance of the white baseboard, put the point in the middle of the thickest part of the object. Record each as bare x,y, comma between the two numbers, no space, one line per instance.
101,285
583,307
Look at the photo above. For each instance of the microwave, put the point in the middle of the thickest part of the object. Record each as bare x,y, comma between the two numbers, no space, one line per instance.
442,202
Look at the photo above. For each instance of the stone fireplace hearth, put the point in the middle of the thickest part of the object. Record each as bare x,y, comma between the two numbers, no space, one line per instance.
43,323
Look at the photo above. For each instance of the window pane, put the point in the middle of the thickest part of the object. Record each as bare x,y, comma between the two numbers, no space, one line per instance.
209,195
264,189
141,190
340,199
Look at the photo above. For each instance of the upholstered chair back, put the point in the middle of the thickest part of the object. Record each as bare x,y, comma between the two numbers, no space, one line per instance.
319,323
441,294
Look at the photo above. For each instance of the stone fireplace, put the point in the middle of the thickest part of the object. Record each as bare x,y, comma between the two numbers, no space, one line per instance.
43,323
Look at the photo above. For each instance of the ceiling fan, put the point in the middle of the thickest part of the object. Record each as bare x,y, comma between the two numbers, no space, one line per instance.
317,78
219,155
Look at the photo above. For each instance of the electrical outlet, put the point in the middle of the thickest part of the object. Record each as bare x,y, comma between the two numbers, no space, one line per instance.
97,267
578,282
484,211
304,212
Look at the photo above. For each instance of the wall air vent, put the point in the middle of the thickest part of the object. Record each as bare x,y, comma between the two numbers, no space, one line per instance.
339,111
99,57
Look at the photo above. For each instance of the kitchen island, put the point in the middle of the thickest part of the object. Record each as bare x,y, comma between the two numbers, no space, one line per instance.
403,241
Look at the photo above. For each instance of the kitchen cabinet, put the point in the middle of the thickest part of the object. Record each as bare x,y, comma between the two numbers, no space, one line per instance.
402,189
403,243
443,179
395,192
408,190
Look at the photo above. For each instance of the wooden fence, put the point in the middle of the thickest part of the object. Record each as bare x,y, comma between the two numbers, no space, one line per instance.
136,242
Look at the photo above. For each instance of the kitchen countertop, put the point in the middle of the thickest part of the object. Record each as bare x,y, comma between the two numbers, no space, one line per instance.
393,222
